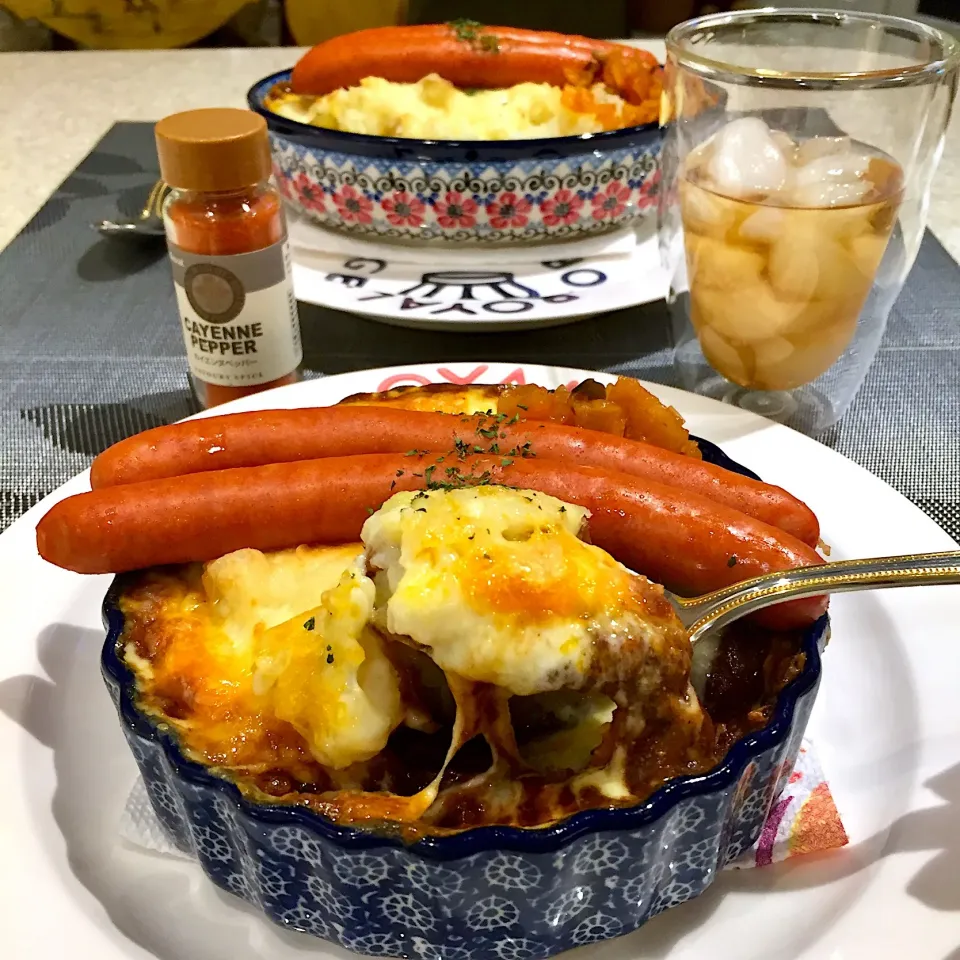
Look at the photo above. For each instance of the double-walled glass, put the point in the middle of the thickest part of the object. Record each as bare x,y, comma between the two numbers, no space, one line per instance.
801,146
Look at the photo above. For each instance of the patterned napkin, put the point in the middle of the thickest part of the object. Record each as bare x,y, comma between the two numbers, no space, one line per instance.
803,820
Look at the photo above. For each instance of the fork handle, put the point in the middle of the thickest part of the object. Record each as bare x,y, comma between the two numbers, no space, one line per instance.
154,205
716,609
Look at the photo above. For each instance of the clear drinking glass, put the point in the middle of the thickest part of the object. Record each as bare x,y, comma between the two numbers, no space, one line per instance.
800,149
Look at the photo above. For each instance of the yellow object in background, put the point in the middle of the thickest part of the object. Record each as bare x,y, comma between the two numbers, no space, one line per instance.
129,24
313,21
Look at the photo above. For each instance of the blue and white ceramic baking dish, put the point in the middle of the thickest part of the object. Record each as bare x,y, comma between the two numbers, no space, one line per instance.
503,191
488,893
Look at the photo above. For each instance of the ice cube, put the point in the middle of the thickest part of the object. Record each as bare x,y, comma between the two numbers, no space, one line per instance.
835,168
766,225
867,252
835,180
785,142
721,266
819,317
794,265
827,193
817,147
844,223
704,213
772,351
746,160
810,265
743,315
812,356
722,356
821,278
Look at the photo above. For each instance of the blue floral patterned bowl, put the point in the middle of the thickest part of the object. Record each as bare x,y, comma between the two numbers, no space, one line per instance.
466,192
488,893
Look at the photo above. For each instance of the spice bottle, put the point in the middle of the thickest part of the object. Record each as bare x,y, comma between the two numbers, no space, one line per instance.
227,239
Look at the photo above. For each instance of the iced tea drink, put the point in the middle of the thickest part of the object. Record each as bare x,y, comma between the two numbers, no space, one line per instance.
783,241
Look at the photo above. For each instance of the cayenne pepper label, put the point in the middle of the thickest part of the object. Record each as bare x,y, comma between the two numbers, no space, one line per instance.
238,314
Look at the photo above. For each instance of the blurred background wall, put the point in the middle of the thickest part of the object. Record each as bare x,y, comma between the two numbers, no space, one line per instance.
151,24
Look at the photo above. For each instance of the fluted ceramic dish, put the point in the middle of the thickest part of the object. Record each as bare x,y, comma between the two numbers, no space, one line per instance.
488,893
471,191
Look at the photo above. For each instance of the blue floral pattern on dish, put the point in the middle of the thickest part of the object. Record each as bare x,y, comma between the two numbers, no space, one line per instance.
467,192
489,893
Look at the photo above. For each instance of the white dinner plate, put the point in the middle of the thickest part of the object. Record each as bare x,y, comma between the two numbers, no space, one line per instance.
479,290
886,726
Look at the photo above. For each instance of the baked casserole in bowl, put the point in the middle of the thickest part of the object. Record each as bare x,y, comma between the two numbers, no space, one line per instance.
405,673
466,134
375,853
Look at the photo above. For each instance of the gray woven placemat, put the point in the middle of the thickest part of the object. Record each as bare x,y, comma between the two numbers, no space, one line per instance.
90,352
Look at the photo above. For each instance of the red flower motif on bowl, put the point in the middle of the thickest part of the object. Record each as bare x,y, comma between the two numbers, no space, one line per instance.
562,208
305,191
508,210
352,205
647,193
403,209
611,202
456,210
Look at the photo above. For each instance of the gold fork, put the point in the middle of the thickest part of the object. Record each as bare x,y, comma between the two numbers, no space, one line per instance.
703,615
148,223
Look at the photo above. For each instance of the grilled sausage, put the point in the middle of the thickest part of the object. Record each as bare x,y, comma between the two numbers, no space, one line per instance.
690,544
467,55
274,436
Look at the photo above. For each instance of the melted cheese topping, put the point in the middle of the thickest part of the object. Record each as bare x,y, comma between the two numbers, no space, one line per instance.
278,637
499,587
250,591
325,672
434,398
301,673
